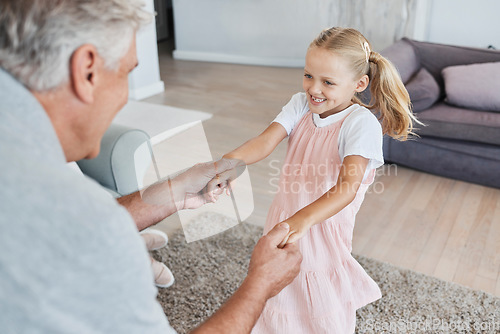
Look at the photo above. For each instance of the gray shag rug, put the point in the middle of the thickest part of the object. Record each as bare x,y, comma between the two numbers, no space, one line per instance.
208,271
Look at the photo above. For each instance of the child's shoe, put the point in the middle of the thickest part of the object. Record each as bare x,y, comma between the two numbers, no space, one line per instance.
162,275
154,239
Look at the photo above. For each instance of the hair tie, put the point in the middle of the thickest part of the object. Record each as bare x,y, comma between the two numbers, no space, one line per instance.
367,50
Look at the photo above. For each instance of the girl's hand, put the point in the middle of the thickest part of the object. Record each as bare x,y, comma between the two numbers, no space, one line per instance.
194,201
338,197
196,178
298,228
199,184
223,178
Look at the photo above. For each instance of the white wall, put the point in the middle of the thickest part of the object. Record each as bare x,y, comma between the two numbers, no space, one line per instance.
144,81
465,22
277,32
257,31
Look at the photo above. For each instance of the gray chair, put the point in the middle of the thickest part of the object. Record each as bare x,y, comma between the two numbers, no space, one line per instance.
115,167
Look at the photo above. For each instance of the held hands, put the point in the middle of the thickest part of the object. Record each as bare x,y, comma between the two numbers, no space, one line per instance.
204,182
272,268
225,177
298,228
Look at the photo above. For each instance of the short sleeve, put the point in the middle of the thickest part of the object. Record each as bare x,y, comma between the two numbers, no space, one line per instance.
361,134
292,112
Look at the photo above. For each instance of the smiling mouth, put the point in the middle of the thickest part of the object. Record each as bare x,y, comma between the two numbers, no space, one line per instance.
317,100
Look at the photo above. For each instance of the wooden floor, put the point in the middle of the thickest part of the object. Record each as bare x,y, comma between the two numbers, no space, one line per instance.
437,226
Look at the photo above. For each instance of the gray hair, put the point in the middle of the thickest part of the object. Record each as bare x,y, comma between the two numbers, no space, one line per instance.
38,37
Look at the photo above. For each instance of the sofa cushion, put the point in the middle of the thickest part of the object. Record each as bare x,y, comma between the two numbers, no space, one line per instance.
423,89
473,86
445,121
402,55
435,57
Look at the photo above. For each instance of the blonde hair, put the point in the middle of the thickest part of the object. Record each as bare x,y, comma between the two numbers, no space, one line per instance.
389,96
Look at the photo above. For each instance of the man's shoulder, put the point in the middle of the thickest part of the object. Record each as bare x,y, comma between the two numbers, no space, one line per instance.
73,245
47,190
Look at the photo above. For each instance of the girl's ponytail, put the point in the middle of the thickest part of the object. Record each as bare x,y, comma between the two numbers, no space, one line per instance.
390,98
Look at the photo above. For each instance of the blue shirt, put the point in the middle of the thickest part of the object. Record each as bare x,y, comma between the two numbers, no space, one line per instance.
71,259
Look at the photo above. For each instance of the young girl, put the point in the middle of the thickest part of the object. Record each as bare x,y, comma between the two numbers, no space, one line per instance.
334,147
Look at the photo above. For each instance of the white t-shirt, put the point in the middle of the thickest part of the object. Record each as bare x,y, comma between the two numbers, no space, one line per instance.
360,134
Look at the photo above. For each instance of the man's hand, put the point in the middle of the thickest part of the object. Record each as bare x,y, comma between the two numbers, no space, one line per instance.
270,270
272,267
201,183
223,178
194,201
298,228
197,177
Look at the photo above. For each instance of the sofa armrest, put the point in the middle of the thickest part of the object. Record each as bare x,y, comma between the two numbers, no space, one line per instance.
404,57
124,156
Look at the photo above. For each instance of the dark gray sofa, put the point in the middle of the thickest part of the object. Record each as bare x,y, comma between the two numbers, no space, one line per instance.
456,142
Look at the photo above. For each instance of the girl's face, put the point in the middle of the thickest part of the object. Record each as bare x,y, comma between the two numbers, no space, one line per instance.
329,82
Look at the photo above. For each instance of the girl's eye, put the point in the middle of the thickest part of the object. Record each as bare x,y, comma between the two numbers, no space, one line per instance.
328,83
308,76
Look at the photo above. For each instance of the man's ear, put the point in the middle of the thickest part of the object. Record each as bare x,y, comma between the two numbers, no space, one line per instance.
362,83
84,67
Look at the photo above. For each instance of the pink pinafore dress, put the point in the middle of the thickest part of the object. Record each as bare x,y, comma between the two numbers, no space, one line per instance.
331,284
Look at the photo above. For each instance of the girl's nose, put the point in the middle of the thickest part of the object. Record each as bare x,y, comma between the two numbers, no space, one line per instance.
315,89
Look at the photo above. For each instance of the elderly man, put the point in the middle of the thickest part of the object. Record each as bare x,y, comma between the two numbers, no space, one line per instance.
71,259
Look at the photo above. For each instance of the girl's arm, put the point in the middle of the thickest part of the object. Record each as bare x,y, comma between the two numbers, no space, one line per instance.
269,271
333,201
259,147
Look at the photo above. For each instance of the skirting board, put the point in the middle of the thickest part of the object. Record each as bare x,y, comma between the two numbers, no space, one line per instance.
237,59
147,91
